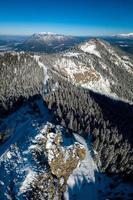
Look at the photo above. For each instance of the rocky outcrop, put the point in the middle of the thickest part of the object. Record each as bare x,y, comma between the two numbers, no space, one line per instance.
61,160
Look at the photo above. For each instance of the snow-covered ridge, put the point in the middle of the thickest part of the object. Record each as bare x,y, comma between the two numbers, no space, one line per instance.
77,72
72,54
45,33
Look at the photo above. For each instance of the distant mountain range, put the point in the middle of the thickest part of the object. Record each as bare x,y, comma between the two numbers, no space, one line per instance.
128,35
52,43
49,42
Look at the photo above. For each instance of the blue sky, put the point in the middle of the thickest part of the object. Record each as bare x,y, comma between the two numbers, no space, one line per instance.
75,17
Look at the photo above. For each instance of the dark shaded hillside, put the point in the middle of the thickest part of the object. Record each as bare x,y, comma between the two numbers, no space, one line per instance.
110,122
119,113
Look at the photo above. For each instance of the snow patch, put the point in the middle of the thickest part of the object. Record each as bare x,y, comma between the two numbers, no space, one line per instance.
90,48
72,54
31,175
70,67
101,86
37,58
9,155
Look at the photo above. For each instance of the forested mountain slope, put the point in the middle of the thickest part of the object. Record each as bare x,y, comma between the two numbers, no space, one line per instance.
66,95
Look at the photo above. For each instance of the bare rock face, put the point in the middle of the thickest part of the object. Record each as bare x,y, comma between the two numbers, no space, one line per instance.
63,160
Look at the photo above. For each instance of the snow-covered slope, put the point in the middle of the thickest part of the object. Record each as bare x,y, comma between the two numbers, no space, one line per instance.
34,146
82,183
15,161
96,65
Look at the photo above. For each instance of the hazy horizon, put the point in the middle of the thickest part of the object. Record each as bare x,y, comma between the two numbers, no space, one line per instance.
81,35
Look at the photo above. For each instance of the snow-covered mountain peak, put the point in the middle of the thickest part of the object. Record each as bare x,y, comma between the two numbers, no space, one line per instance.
48,36
94,65
96,47
101,49
124,35
48,42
